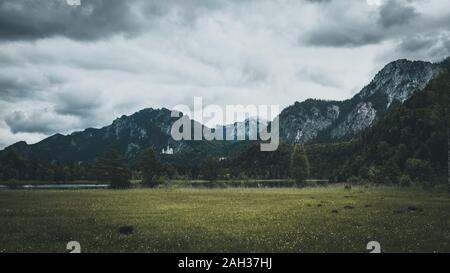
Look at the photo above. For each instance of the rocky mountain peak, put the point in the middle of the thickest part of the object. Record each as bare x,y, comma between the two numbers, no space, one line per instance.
398,80
322,121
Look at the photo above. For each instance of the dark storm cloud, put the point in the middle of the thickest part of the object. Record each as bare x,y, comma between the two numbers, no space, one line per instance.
12,89
30,19
348,36
433,47
345,27
39,121
416,43
340,24
71,103
396,13
16,86
93,19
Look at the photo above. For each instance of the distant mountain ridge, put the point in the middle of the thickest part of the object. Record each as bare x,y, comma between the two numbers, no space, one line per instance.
127,134
328,121
247,129
305,122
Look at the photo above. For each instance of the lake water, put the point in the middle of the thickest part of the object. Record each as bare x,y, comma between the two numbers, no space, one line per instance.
59,186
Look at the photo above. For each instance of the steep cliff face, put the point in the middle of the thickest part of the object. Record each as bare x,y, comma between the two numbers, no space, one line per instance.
245,130
398,80
361,117
302,122
325,121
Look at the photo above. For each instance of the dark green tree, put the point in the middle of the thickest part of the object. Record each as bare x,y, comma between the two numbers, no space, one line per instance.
110,168
210,169
13,167
299,165
418,169
150,167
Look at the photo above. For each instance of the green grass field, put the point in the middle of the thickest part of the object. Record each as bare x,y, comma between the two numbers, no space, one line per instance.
225,220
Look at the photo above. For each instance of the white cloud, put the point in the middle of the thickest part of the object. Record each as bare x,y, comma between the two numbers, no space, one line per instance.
232,52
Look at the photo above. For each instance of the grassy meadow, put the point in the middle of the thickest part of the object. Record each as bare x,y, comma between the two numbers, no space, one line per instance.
325,219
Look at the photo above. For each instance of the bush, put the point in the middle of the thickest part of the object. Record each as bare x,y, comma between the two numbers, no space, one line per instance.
161,180
310,183
217,184
427,185
405,181
418,169
322,183
300,184
375,175
356,180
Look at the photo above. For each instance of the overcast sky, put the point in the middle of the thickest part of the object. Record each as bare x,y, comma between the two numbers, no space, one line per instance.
66,67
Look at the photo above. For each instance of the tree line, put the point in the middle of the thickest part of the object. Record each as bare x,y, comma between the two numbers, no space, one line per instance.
112,168
408,146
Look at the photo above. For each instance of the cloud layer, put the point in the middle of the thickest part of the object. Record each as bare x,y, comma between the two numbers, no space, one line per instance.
67,67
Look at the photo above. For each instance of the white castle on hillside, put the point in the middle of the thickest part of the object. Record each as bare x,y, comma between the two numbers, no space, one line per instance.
73,2
167,151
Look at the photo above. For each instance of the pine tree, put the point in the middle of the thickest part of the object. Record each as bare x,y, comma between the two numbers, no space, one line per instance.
210,169
110,168
299,165
150,168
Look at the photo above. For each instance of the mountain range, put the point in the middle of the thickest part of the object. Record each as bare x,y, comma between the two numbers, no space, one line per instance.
328,121
310,121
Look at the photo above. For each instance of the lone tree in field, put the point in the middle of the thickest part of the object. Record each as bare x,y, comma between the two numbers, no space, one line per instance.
150,168
111,168
299,165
